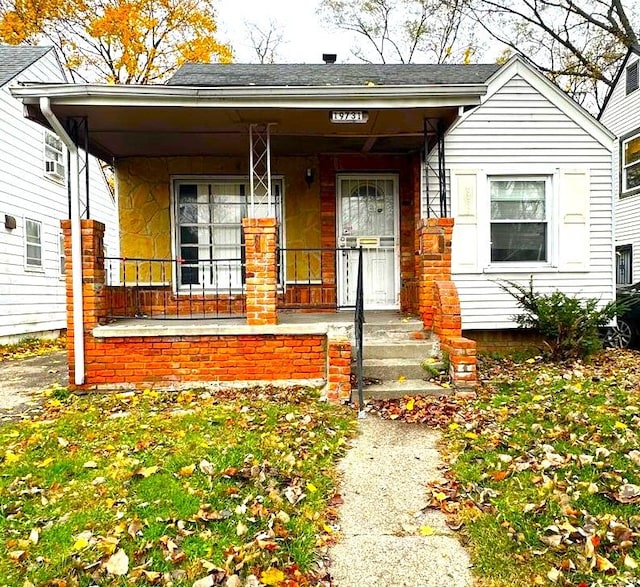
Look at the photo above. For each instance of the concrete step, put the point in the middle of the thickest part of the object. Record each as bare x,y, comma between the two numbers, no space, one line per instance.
396,325
393,369
398,389
401,349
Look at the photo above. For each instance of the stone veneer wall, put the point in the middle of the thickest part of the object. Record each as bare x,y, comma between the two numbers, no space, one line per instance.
144,198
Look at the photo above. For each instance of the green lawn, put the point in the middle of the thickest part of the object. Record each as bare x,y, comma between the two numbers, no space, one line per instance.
165,489
545,473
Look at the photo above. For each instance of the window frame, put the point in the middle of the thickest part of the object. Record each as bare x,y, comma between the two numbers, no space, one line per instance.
620,251
632,77
39,268
624,191
548,179
176,181
54,154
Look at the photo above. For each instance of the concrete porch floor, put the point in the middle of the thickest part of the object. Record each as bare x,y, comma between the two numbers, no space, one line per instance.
289,322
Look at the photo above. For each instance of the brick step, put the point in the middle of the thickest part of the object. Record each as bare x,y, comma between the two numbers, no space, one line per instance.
393,369
400,349
398,389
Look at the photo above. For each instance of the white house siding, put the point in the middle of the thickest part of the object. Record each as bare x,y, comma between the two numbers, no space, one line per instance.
622,116
520,131
33,302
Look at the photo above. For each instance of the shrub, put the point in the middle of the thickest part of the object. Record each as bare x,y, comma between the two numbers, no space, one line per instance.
570,327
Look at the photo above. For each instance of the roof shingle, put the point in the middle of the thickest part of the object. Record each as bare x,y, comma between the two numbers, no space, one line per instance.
15,59
343,74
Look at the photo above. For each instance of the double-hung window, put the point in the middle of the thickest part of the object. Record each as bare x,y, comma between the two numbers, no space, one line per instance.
209,239
519,218
631,163
33,244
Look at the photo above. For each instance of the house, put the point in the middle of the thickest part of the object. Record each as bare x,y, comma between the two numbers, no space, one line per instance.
621,115
248,193
33,200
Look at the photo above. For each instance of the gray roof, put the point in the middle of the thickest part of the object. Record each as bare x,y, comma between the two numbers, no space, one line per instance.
336,74
15,59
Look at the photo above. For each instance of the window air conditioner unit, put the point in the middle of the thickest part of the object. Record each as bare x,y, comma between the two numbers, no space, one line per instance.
54,168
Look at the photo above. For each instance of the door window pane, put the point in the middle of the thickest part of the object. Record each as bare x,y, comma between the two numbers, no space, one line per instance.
623,265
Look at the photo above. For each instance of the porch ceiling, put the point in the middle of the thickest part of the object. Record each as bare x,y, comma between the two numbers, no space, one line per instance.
128,121
130,131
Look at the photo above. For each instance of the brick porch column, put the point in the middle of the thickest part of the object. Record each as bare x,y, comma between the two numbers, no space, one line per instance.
93,280
261,263
434,263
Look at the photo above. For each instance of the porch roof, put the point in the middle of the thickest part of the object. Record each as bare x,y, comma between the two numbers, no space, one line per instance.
192,120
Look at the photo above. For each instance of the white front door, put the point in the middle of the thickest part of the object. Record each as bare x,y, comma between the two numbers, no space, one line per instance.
368,218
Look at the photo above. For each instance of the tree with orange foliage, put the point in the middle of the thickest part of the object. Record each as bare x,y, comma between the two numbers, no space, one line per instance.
117,41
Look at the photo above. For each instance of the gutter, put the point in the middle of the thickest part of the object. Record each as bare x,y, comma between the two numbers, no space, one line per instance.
252,96
76,241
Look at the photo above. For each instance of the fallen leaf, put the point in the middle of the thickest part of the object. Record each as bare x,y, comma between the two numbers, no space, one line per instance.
118,563
553,575
187,471
605,566
272,576
206,467
426,531
18,555
145,471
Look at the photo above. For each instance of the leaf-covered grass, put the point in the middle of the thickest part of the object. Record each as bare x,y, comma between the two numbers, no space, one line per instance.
158,489
32,347
545,472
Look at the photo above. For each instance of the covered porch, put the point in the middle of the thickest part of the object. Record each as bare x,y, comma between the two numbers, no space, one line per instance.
246,203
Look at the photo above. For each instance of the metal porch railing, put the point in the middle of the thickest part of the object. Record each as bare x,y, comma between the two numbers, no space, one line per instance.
308,278
146,288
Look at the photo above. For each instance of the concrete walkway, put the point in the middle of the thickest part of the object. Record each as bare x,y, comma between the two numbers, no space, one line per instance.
383,488
21,381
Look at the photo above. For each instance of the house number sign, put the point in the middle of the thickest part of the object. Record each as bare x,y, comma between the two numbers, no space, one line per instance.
342,116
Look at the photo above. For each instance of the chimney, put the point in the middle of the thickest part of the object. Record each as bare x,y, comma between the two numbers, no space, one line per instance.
329,58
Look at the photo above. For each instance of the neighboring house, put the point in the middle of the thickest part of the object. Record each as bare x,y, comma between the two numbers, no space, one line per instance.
247,190
33,201
621,115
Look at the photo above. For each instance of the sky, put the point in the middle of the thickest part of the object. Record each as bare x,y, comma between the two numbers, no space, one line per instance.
305,38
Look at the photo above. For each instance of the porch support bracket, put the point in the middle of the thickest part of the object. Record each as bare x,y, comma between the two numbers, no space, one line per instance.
78,129
434,168
261,203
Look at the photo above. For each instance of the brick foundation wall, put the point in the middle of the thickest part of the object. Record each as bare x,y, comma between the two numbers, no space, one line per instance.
161,361
339,370
143,361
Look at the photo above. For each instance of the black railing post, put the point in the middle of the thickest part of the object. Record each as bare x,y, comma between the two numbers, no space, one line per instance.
359,322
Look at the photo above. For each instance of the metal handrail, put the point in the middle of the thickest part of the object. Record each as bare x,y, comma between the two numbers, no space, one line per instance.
359,327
